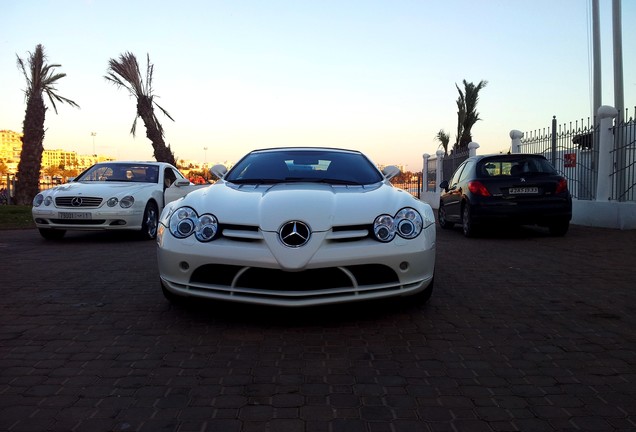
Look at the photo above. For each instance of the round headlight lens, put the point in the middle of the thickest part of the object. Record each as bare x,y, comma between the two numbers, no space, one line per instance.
183,222
127,202
37,201
384,228
409,223
47,201
112,202
206,228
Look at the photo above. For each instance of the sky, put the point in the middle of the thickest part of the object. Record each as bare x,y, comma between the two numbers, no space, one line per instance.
377,76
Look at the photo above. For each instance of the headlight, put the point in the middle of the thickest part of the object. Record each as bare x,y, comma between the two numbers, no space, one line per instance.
112,202
48,200
206,228
127,202
407,223
37,201
184,222
384,228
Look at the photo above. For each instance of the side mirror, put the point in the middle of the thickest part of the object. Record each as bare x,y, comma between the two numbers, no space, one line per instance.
181,183
390,171
218,171
444,185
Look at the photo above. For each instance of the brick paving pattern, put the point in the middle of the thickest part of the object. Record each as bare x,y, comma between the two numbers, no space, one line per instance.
524,332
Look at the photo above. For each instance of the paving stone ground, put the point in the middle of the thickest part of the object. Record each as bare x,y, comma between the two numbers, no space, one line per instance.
524,332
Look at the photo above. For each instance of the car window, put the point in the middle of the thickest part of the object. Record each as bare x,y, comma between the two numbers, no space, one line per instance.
120,172
169,177
466,171
316,165
455,178
515,166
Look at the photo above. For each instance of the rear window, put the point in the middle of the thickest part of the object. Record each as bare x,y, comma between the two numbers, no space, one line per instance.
514,167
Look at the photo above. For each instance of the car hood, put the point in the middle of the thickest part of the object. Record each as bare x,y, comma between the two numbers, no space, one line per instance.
320,205
98,189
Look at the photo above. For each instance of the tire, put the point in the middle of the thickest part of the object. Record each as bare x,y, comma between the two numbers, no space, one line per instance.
468,227
52,234
441,218
150,222
559,229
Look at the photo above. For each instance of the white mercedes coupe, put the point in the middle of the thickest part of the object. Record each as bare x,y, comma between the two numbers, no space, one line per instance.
109,196
297,226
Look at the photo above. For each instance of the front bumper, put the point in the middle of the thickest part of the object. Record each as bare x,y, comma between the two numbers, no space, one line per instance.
337,272
87,220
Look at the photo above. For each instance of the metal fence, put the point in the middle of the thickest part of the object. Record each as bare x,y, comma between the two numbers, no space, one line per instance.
624,158
573,150
412,185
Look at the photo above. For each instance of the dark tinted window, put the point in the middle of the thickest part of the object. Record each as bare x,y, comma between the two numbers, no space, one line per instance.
514,166
326,166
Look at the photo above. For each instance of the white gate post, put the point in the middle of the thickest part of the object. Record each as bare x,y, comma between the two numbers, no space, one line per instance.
425,156
439,168
606,115
472,148
515,136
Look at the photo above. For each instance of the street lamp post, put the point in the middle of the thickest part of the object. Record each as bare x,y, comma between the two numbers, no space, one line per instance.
205,163
93,135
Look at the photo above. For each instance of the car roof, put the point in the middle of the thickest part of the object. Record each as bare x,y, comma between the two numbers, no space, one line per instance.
506,156
277,149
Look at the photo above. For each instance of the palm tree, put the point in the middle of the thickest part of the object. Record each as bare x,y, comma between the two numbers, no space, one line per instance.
444,139
41,78
467,114
125,73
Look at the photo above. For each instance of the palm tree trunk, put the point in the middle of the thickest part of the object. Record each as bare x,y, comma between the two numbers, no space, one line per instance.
162,153
28,184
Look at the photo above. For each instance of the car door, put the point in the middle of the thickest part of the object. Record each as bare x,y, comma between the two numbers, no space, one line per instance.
451,198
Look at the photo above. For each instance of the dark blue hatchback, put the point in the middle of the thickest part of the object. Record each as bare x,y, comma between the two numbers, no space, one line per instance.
522,189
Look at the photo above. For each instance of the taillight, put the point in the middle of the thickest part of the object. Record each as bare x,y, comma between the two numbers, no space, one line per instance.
562,186
478,188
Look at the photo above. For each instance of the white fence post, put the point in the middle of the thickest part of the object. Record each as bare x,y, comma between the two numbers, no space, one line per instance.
515,136
439,168
472,148
605,115
425,156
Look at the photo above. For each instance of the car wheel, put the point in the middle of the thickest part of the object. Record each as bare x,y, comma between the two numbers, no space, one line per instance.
558,229
150,221
52,234
441,218
467,222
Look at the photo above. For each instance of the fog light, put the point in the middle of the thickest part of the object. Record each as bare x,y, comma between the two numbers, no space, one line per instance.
404,265
184,265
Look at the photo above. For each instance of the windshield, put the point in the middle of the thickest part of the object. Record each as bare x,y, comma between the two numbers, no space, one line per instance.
121,172
320,166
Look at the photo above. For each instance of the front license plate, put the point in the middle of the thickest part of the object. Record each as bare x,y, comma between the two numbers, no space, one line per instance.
75,215
523,190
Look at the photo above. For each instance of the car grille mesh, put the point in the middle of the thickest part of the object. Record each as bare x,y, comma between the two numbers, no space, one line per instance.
78,202
307,280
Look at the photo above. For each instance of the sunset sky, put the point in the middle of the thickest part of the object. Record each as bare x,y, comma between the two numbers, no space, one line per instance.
373,75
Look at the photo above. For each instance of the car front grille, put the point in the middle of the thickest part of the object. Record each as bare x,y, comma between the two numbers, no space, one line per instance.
78,202
272,286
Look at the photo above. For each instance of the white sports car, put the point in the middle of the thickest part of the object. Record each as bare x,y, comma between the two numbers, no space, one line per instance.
297,227
108,196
